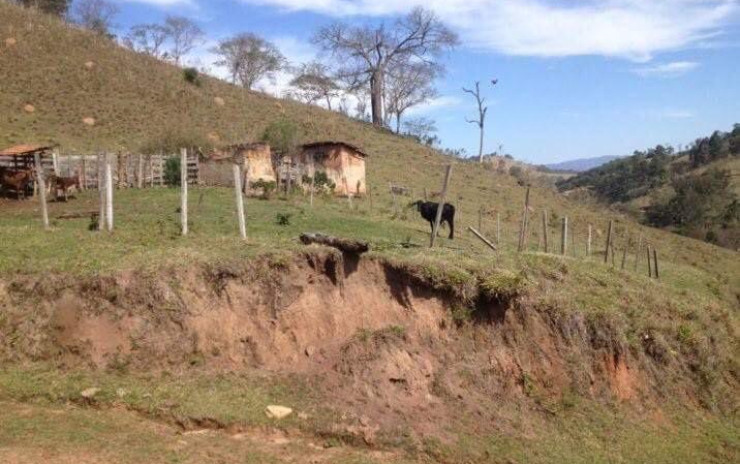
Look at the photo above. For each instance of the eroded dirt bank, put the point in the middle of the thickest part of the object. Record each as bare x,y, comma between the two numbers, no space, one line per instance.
380,339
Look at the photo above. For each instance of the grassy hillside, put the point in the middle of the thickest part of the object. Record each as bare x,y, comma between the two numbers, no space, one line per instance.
591,363
693,192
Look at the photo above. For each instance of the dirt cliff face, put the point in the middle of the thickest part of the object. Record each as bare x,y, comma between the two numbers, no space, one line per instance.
374,336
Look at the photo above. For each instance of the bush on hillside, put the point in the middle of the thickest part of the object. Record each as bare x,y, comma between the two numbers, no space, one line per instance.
191,76
282,136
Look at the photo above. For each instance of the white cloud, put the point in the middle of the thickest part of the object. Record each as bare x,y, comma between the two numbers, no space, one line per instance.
632,29
667,113
673,69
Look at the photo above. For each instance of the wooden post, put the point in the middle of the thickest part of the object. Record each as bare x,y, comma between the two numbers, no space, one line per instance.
239,201
588,242
650,265
83,172
140,171
655,263
441,205
55,162
624,255
150,168
608,242
544,231
101,191
108,194
184,190
564,237
313,186
482,238
42,190
395,204
525,220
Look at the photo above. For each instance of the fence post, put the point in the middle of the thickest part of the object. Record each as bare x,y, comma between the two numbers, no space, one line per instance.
83,173
544,231
608,242
100,167
140,171
564,237
525,220
650,265
655,262
624,255
108,193
239,201
184,190
440,207
42,190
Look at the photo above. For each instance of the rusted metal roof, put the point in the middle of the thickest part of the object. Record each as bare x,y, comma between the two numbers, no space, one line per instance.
333,144
24,150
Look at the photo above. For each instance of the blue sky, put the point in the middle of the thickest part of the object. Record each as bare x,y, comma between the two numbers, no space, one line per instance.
577,78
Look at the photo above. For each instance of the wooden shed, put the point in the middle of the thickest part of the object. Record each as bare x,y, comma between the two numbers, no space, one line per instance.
344,164
21,157
256,159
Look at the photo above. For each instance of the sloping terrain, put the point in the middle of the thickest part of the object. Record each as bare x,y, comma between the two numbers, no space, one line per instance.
408,354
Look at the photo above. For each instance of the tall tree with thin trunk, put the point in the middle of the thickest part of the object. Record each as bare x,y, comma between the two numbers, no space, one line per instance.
407,85
184,36
95,15
148,39
313,83
249,58
482,111
367,53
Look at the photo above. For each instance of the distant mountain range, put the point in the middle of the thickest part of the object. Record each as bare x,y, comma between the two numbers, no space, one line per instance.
581,165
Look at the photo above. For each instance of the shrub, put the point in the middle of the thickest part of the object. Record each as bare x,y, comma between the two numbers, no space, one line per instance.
191,76
321,182
267,187
283,219
172,171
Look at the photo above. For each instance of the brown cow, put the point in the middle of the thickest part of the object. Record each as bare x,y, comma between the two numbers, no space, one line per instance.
64,184
19,181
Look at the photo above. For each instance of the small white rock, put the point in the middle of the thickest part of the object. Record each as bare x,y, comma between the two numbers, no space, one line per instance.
278,412
89,393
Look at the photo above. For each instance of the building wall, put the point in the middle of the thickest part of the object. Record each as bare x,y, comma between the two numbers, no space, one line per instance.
340,164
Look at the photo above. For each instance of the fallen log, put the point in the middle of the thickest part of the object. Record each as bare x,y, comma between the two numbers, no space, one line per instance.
346,245
80,215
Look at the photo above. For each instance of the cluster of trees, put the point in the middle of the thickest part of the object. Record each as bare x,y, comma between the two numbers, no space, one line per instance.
627,178
719,145
698,204
96,15
704,206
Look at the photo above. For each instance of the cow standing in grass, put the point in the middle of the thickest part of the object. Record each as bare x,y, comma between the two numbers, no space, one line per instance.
64,184
18,181
428,210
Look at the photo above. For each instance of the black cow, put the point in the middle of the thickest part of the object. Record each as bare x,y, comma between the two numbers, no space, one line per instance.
428,211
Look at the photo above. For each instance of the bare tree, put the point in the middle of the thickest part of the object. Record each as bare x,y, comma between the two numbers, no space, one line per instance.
482,111
367,53
249,58
313,83
184,34
147,38
407,85
95,15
